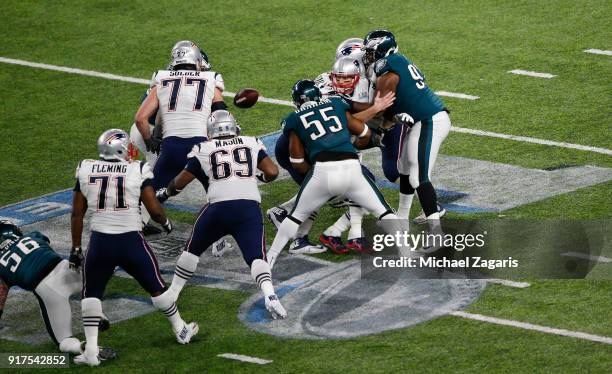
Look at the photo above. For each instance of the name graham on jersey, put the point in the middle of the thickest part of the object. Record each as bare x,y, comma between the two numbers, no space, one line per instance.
222,143
109,168
312,104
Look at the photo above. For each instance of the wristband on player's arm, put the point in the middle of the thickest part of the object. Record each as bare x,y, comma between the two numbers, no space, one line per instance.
218,105
364,132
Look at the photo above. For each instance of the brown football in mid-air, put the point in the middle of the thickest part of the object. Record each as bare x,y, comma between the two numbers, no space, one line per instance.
246,98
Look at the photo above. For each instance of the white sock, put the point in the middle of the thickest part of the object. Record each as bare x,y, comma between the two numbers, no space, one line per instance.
288,205
165,304
405,203
70,345
341,225
91,309
285,232
305,227
185,267
433,220
356,214
260,271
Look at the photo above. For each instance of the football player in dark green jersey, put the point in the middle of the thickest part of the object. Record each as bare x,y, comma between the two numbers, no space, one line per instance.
320,131
28,261
417,105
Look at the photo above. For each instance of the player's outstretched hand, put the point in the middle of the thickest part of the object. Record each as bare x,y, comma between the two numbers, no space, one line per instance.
76,258
168,226
382,103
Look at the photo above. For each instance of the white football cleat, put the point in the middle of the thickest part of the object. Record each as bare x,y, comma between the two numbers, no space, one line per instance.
422,219
275,308
304,246
188,331
220,247
85,359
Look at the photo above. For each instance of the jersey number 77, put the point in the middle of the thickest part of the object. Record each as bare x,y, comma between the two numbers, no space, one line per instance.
176,83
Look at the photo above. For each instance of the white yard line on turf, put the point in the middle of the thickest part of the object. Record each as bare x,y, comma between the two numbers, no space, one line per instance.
464,130
529,326
457,95
532,73
243,358
598,52
509,283
526,139
584,256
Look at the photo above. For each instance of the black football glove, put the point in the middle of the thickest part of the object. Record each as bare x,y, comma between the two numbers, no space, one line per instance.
167,226
261,177
162,195
76,258
153,145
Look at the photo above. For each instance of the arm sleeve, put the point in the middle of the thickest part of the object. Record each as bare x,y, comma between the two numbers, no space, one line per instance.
287,125
382,67
219,83
77,185
194,167
146,174
261,152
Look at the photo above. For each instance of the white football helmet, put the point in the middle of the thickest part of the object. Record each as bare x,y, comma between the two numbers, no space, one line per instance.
187,55
348,47
345,75
114,145
221,123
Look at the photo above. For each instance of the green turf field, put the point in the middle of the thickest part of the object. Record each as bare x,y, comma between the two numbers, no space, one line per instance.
50,120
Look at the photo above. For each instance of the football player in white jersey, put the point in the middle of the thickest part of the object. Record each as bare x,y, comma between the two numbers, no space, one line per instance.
183,98
112,188
230,164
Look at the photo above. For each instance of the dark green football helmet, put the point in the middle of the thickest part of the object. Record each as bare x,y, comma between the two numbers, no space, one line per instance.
378,44
303,91
9,233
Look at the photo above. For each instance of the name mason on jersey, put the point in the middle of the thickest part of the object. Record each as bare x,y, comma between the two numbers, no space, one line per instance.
109,168
222,143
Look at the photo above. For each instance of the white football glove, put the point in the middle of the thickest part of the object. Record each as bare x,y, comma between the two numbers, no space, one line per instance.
404,118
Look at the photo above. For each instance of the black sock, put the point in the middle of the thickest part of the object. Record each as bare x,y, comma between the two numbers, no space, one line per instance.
428,198
405,186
